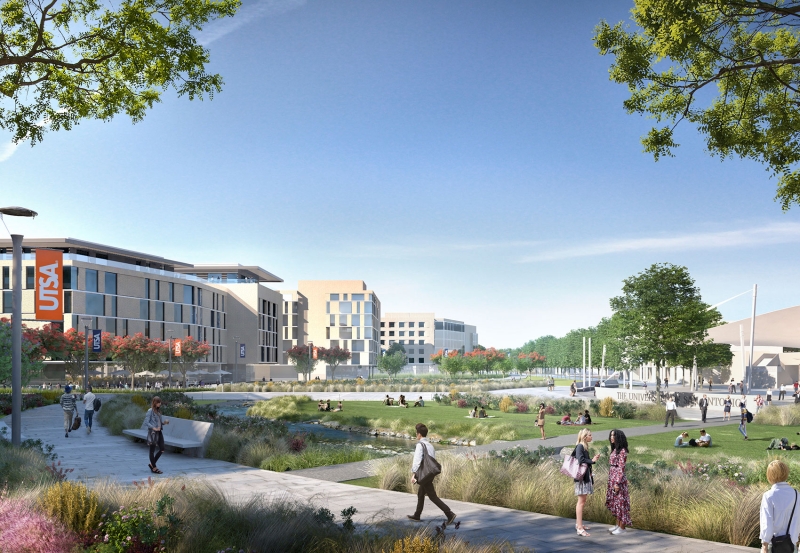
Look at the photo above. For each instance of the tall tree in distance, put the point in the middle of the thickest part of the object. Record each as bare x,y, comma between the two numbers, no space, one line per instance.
302,361
392,363
333,357
192,351
61,62
731,67
662,316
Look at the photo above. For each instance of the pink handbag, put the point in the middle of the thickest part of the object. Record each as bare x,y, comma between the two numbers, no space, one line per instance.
572,468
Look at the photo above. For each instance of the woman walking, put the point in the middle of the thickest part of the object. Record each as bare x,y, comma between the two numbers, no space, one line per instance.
584,485
617,499
743,421
779,520
540,421
155,436
726,411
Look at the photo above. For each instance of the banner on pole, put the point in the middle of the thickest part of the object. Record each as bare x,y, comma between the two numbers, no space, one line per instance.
177,352
315,352
49,285
97,340
242,351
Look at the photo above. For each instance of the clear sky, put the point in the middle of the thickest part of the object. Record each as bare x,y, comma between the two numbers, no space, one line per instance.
469,158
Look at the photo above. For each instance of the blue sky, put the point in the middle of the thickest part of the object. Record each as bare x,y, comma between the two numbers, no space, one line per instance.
469,158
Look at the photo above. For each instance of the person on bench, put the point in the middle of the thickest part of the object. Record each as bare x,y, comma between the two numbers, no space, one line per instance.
682,440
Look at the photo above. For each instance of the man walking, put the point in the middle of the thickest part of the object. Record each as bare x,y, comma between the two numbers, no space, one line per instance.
672,410
88,411
703,407
769,396
783,392
427,487
68,406
666,383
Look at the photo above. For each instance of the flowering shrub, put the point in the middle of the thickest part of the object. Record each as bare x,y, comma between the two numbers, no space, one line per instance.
505,403
522,407
140,529
462,403
23,529
298,443
523,454
549,410
29,401
732,472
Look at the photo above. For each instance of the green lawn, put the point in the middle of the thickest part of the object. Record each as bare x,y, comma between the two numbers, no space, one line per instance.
727,440
360,413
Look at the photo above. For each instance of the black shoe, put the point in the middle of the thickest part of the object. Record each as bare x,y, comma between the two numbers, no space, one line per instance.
412,517
450,518
66,434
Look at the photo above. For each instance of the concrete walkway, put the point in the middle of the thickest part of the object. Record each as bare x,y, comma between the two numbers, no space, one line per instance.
100,456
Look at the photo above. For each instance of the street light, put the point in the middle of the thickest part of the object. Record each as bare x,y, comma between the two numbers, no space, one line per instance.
169,378
86,321
235,364
16,323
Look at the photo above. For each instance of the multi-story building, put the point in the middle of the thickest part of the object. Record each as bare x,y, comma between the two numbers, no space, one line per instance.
330,313
125,292
422,334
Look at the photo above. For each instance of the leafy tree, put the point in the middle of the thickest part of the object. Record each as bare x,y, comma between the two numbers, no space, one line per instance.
70,348
333,357
303,363
505,365
61,62
731,67
451,364
662,316
475,361
32,365
394,348
192,351
392,363
136,353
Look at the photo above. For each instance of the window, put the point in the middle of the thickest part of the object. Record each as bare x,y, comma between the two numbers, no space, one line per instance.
355,359
147,327
124,327
368,332
327,307
410,359
158,289
334,343
383,332
391,342
8,301
358,297
170,291
334,297
188,294
421,342
410,332
144,309
402,342
438,325
410,351
159,310
200,296
345,333
345,307
358,307
294,333
70,278
358,345
7,281
67,301
30,278
402,333
391,325
344,297
147,288
328,333
411,325
113,306
333,320
342,320
111,326
402,325
391,333
178,313
368,307
382,324
91,280
421,325
356,320
383,342
421,359
421,333
94,303
110,283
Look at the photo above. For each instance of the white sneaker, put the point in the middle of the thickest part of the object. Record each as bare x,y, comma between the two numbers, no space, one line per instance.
618,531
612,530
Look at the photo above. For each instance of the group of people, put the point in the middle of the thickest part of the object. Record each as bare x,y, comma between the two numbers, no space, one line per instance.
402,402
69,405
683,440
584,418
326,406
475,414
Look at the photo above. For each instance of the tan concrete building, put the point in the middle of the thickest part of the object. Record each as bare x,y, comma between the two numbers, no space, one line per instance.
330,313
125,292
422,334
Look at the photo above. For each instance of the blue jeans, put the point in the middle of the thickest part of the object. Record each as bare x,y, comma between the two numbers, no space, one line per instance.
87,415
743,429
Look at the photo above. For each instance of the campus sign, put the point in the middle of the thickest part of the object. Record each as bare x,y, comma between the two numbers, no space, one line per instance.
682,399
49,285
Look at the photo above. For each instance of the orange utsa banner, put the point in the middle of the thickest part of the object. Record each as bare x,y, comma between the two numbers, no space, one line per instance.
49,285
315,352
177,351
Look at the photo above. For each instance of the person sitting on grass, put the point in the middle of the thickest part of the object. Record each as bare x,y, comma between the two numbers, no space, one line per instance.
403,402
566,419
420,402
338,407
781,443
320,405
704,440
388,400
587,418
474,413
482,413
581,421
682,440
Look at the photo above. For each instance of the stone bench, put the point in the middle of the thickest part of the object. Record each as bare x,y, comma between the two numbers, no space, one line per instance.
191,436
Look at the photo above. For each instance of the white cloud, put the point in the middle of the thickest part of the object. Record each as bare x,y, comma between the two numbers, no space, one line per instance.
7,150
246,14
774,233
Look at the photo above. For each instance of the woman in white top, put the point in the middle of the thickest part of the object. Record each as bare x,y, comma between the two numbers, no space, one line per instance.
777,505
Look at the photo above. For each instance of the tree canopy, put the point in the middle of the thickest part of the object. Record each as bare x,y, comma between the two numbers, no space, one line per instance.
392,363
63,61
333,357
731,67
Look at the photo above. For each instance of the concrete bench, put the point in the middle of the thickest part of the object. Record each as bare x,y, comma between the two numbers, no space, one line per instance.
191,436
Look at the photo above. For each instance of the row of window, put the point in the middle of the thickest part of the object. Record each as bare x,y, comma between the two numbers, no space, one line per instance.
410,324
353,297
347,307
403,332
346,333
347,320
411,360
403,342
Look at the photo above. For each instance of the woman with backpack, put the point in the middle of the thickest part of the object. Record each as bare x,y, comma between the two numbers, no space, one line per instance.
585,484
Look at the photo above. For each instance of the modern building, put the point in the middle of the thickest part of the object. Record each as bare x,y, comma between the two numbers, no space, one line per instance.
422,334
331,313
776,347
125,292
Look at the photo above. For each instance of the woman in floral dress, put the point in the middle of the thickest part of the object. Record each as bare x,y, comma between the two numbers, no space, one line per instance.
617,499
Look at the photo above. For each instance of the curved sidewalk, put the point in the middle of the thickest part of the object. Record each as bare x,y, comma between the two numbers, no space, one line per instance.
100,456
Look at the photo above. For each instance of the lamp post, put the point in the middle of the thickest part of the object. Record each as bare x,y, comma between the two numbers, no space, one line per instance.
235,362
169,377
16,324
86,321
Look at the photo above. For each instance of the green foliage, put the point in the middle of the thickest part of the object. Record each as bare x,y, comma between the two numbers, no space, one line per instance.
522,454
392,364
317,455
32,365
121,413
223,445
78,59
140,401
288,408
137,527
73,505
606,407
788,415
26,465
741,55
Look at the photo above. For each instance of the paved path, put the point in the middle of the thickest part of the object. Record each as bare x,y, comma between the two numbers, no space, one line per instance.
100,456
